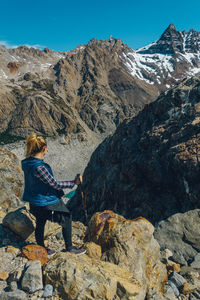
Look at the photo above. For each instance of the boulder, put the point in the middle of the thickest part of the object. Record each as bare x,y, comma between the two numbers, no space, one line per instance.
48,291
177,279
35,252
154,295
191,274
170,288
81,278
189,288
19,221
32,278
11,180
22,222
179,233
16,295
129,244
196,262
12,286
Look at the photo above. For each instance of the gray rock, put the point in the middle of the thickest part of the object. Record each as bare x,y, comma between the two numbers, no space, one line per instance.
180,234
15,295
3,285
154,295
19,221
194,297
59,235
170,288
48,291
13,286
15,275
196,262
32,278
196,294
177,279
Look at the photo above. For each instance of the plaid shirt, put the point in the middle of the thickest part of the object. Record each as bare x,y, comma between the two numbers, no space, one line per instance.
43,174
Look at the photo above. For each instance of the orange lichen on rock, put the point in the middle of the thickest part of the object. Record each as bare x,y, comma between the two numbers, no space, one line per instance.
35,252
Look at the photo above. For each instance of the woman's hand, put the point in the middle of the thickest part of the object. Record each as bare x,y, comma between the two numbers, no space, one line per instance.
78,179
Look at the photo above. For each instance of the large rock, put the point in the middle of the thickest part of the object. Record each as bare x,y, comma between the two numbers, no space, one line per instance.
20,222
32,277
83,278
14,295
11,180
35,252
23,224
150,166
180,234
129,244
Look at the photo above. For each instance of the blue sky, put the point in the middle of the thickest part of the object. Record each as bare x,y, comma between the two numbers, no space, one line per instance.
63,25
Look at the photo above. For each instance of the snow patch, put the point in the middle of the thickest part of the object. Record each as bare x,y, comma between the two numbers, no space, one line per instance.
3,74
146,47
45,66
142,65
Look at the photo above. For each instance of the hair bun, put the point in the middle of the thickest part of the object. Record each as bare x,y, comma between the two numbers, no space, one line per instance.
34,144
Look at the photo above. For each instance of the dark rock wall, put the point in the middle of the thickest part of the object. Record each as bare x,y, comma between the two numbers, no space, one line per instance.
150,166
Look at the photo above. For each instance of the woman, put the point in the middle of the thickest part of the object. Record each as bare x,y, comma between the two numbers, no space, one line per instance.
43,193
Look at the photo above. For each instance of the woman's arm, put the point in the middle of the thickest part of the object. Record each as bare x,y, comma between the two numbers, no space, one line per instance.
43,174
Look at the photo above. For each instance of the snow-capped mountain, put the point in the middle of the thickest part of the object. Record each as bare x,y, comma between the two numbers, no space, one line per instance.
93,87
174,56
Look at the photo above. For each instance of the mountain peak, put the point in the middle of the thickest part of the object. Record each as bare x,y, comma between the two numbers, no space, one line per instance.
171,27
173,41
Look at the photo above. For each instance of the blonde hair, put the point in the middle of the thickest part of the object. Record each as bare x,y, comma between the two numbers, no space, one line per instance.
34,145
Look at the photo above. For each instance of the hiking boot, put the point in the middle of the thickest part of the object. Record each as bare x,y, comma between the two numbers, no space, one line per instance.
50,252
75,250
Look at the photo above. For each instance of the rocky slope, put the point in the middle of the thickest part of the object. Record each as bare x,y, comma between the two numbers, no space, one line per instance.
105,272
91,88
11,180
150,166
123,260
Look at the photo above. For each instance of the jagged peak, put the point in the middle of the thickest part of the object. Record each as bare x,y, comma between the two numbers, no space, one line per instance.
171,27
105,41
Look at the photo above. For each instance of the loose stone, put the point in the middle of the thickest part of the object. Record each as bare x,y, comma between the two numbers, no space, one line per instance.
32,279
48,291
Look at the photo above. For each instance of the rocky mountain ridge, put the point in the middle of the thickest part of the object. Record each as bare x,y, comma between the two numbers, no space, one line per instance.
91,89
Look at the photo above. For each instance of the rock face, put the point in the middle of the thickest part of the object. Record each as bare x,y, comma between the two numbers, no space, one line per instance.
81,278
150,166
130,245
179,233
92,88
11,180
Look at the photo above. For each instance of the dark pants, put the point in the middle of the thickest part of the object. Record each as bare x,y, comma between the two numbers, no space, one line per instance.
57,213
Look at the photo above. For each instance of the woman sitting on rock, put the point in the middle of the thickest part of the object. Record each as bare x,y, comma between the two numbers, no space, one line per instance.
43,193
